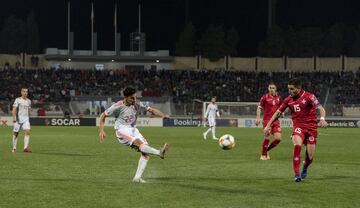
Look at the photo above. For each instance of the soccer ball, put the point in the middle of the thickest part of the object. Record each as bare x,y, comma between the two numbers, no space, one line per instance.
227,142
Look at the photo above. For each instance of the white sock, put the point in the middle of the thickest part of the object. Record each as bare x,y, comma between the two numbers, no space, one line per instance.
14,141
26,141
141,166
149,150
213,131
207,131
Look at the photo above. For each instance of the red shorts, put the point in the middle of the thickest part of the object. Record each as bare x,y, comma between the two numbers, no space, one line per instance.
275,127
308,135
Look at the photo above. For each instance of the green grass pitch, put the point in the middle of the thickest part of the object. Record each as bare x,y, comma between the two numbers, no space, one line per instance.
70,168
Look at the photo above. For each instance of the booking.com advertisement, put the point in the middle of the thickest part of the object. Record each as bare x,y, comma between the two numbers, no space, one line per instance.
183,122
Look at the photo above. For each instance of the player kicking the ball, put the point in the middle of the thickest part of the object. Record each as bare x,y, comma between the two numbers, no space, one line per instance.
126,131
269,102
303,107
210,115
20,113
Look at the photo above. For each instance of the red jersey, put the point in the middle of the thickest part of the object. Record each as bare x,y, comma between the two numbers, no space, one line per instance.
303,109
269,104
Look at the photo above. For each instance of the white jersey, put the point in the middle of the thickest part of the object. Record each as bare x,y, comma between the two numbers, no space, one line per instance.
211,111
23,107
127,114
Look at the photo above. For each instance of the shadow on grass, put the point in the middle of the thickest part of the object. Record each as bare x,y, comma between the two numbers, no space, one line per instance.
46,179
229,184
211,184
64,154
214,179
72,181
337,177
217,189
197,183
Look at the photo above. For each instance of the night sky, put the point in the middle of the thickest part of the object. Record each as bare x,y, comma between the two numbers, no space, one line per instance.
163,20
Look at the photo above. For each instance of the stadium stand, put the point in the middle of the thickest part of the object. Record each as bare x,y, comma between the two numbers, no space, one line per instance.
47,86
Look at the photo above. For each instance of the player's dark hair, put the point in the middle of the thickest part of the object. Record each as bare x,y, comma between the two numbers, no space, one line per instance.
129,91
272,83
297,82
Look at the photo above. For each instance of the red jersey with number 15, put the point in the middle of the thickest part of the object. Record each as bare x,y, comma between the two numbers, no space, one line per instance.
269,104
303,109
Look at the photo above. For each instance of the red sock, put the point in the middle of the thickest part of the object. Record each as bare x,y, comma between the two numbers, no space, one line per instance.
296,159
273,144
265,145
307,160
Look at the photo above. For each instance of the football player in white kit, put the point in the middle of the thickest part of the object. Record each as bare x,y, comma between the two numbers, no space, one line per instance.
20,113
210,115
126,131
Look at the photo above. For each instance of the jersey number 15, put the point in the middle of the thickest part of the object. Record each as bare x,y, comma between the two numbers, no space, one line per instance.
297,108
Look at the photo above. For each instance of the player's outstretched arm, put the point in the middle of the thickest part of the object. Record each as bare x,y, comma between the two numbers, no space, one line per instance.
322,112
258,112
218,114
102,133
14,114
275,116
158,113
206,113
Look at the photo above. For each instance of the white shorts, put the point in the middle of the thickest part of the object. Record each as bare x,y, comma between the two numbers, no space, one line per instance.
24,126
212,122
127,135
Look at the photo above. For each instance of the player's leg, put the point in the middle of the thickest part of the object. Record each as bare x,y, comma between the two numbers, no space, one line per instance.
27,140
15,136
26,127
144,158
206,132
309,155
126,137
297,141
275,142
212,123
213,133
144,148
276,130
14,141
133,138
264,147
265,144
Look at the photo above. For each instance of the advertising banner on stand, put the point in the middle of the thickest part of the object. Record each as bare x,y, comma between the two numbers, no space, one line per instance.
140,122
63,121
287,123
183,122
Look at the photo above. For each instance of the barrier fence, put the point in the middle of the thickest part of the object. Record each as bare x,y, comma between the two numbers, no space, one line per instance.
173,122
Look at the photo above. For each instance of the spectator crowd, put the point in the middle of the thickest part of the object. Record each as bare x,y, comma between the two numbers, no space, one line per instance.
50,85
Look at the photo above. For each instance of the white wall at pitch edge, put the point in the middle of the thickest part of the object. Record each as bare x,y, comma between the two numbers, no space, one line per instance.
6,121
156,122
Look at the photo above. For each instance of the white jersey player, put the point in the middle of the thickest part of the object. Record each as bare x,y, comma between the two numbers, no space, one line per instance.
126,131
210,115
21,113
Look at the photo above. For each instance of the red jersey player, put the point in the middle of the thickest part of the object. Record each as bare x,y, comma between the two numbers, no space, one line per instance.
269,102
303,106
